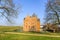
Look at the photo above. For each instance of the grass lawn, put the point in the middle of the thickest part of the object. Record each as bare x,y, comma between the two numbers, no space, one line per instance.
4,36
8,36
10,28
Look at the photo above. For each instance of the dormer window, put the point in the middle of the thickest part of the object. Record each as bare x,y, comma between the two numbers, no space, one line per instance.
24,18
38,19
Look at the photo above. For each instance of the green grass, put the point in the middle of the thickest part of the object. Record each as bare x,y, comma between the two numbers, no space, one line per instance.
10,28
4,36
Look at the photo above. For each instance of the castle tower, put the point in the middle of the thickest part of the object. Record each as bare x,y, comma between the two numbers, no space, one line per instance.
31,23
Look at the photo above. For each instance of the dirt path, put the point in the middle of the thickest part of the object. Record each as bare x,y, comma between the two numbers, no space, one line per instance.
33,34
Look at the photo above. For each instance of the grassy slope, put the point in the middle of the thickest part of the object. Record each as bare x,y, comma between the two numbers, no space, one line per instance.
9,28
25,37
4,36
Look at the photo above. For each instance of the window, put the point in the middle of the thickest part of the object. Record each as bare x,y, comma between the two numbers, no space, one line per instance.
24,18
26,26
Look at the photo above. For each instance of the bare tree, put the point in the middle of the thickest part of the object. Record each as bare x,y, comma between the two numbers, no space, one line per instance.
53,11
8,9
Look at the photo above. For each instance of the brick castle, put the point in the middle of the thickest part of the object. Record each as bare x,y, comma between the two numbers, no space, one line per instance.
31,23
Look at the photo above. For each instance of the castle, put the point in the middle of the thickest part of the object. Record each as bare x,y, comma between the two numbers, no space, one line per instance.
31,23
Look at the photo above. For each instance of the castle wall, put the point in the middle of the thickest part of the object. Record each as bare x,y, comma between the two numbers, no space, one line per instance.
31,24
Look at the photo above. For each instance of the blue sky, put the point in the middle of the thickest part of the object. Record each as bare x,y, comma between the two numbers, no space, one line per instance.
32,6
28,7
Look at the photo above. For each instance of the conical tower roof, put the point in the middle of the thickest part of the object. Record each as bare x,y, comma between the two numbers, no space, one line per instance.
34,15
